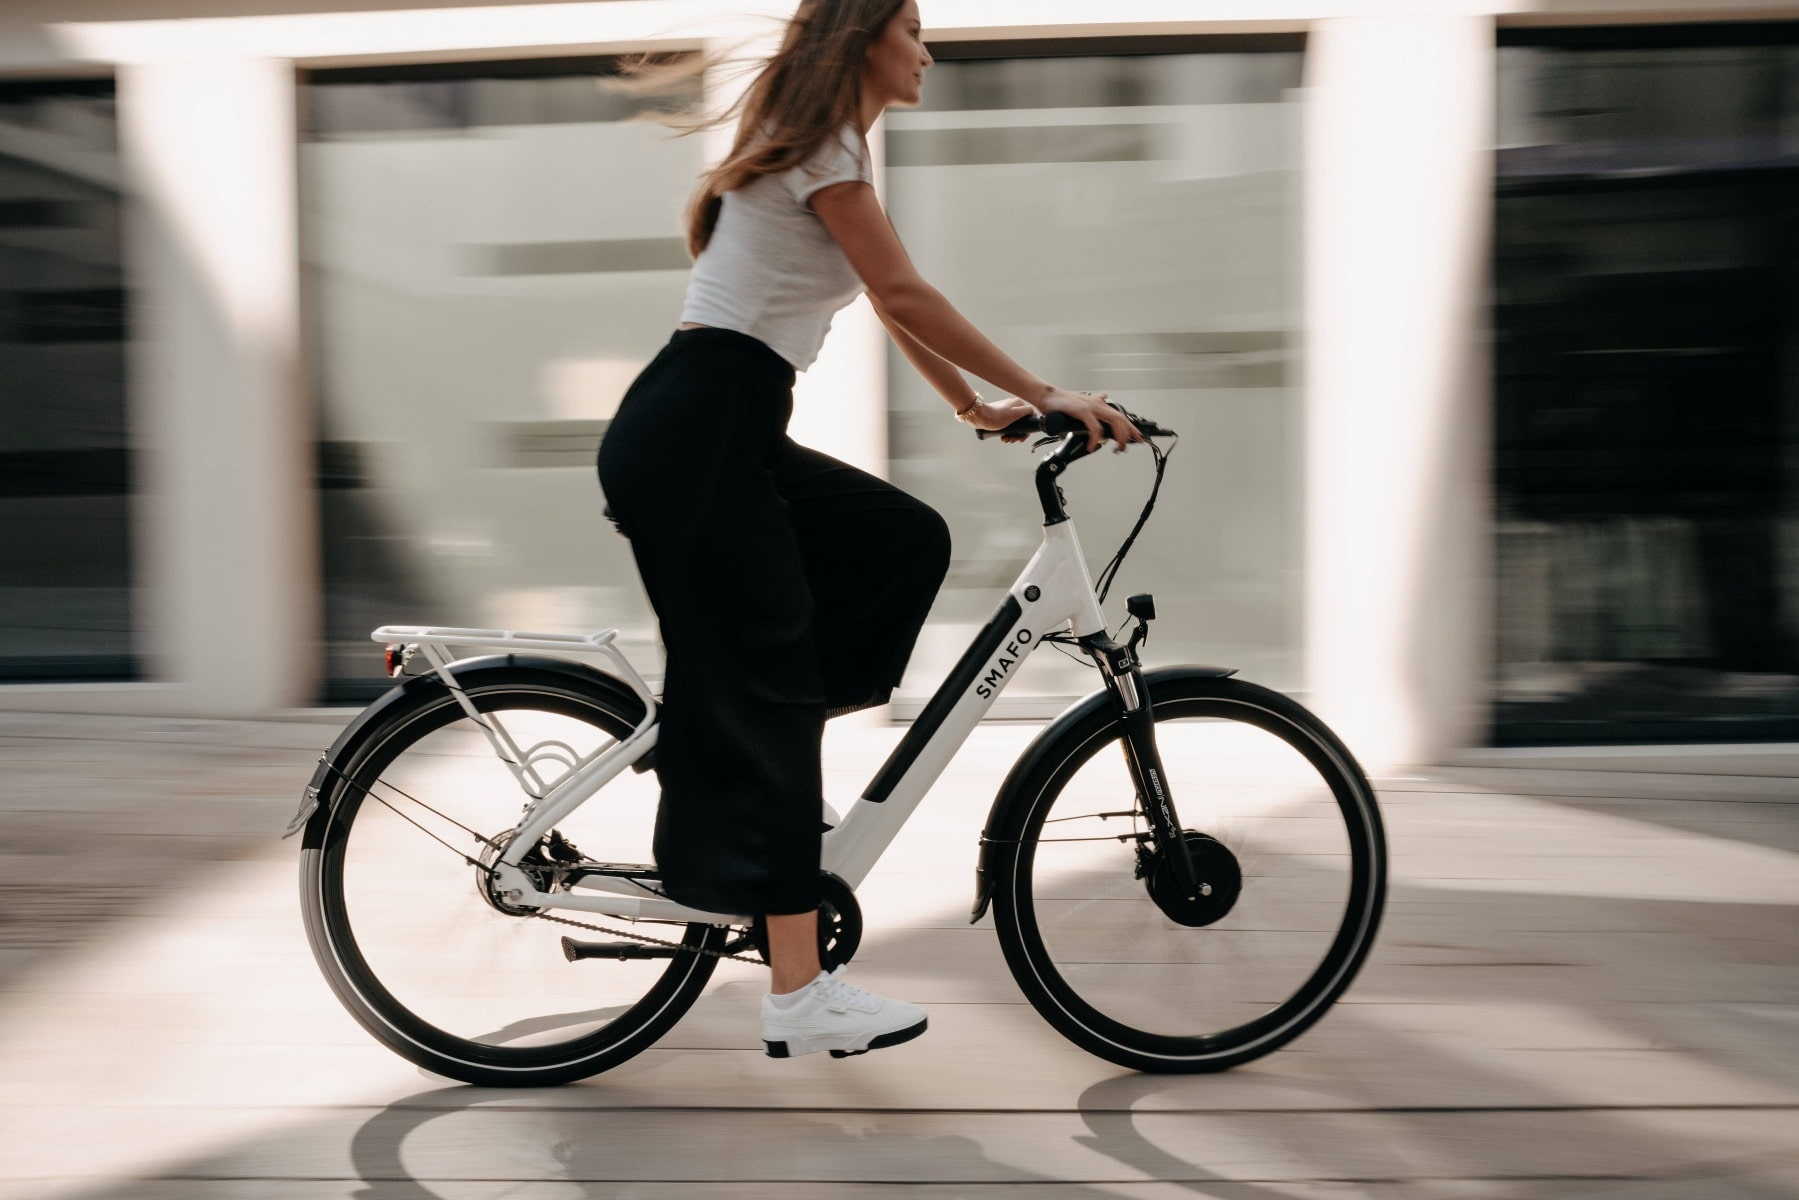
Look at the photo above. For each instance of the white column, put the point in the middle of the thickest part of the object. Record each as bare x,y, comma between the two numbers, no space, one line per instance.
840,403
1398,183
226,525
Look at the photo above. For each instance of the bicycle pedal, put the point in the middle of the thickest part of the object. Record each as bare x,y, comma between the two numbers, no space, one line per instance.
848,1053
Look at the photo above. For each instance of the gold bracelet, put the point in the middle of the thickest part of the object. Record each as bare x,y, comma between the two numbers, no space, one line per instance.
962,413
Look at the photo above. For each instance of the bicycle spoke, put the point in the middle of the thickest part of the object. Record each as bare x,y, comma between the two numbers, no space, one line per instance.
369,793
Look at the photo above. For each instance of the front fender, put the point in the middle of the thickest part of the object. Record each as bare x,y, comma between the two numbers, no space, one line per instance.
1077,723
314,816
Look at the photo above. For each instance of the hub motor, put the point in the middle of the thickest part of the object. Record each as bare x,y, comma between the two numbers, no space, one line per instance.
1220,882
488,883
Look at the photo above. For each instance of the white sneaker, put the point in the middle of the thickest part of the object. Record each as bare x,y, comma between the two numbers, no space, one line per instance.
837,1016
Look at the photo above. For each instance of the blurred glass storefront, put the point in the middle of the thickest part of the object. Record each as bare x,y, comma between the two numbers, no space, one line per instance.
1126,222
1647,385
492,253
491,249
66,605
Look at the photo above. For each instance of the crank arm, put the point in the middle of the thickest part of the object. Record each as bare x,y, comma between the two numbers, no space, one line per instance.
575,950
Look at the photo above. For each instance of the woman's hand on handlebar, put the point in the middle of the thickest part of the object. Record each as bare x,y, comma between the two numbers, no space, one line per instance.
1090,409
997,414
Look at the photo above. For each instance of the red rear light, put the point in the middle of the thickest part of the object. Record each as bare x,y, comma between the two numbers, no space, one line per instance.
395,659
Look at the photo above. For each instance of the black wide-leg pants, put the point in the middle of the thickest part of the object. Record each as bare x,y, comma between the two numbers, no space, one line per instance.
786,584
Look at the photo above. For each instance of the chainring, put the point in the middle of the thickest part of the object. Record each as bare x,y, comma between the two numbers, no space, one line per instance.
1221,882
839,924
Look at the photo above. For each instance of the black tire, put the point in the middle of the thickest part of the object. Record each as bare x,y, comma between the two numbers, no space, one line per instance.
1065,976
333,910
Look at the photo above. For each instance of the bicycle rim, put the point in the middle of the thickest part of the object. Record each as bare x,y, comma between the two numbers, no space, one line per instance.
412,941
1287,821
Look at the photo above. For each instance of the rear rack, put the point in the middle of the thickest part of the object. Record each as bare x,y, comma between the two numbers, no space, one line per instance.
433,641
503,639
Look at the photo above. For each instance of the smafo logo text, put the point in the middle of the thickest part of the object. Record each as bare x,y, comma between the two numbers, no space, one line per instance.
1009,655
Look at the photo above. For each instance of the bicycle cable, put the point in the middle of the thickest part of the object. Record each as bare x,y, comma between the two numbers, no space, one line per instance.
1110,573
382,800
1062,641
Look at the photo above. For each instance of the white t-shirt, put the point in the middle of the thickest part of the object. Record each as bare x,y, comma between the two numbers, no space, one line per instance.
772,269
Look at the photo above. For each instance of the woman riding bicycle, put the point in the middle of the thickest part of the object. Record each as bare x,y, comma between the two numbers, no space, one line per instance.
789,586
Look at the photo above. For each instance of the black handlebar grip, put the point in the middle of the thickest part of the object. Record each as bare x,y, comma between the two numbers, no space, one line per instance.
1017,428
1056,424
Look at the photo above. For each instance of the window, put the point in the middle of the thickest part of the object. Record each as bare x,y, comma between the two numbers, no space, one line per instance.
1126,222
66,606
492,251
1647,384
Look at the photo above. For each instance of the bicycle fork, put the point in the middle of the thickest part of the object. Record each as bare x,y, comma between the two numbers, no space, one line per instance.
1123,673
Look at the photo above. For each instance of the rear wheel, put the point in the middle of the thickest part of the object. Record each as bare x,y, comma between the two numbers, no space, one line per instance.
1285,835
421,951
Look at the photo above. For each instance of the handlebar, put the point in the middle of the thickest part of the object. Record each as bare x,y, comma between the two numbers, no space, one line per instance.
1050,468
1057,424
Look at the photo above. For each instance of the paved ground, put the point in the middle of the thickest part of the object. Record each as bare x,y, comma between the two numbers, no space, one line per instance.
1586,987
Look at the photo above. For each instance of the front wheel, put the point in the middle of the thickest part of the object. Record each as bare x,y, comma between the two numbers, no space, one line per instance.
1285,834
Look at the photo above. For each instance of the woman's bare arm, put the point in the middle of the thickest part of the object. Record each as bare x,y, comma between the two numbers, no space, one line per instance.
938,371
853,215
942,375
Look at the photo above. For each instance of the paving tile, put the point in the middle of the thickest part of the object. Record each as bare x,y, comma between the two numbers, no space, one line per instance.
477,1144
1585,987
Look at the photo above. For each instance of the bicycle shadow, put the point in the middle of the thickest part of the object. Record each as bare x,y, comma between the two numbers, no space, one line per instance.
532,1026
1330,1131
591,1159
375,1146
848,1146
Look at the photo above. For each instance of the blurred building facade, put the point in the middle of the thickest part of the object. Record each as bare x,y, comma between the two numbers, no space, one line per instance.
1480,322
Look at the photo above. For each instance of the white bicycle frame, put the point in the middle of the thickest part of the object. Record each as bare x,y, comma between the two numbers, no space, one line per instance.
1054,591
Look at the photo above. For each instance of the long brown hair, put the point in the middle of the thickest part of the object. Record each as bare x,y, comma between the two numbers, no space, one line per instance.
802,95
